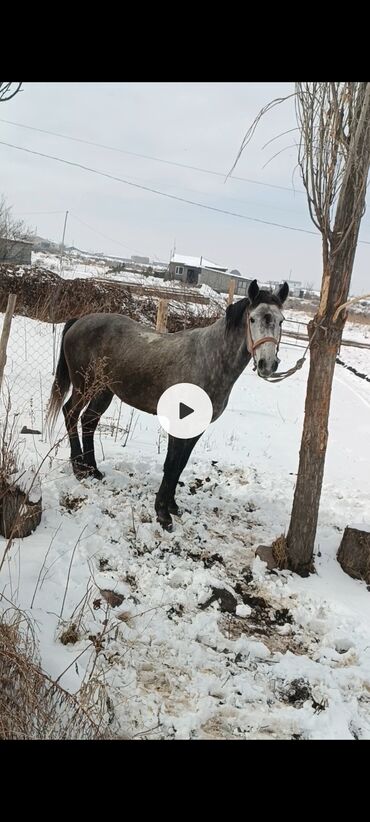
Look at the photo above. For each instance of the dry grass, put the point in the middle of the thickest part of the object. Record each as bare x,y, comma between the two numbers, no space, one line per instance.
279,551
358,317
32,706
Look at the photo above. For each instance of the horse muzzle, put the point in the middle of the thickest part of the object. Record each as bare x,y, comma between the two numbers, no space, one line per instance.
265,369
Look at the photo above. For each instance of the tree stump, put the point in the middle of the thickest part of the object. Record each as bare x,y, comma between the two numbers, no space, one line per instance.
20,510
354,553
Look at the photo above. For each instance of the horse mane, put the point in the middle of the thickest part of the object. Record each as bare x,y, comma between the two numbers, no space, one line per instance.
235,311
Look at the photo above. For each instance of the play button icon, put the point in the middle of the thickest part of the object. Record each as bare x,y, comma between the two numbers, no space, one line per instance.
184,410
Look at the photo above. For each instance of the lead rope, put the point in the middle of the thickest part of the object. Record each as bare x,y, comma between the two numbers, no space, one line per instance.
282,375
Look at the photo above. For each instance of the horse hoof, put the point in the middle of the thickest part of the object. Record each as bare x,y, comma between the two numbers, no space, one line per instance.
165,521
168,528
175,510
80,471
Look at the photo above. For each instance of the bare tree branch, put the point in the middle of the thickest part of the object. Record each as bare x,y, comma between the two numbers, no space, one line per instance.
249,134
277,136
6,91
291,145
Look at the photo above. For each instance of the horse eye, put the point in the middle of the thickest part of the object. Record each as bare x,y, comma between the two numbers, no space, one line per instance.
252,320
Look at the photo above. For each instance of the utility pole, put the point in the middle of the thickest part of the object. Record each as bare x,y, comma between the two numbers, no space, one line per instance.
61,272
62,245
172,254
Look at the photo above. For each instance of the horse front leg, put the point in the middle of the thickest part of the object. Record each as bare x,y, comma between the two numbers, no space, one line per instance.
178,453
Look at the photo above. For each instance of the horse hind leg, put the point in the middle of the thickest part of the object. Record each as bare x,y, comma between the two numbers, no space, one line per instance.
90,419
72,410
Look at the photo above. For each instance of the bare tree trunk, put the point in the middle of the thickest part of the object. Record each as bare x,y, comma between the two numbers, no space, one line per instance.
338,264
305,510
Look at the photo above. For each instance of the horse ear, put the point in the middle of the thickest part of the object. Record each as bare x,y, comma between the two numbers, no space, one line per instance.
282,292
235,313
253,290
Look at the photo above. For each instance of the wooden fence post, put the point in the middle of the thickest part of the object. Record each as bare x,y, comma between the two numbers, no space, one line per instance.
230,298
162,315
5,333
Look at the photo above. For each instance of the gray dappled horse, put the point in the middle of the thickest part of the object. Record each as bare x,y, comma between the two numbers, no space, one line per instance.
107,354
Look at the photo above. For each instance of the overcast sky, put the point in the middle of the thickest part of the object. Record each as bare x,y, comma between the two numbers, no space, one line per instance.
194,124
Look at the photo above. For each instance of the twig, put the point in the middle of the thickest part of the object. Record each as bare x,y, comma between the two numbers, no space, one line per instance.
69,571
43,564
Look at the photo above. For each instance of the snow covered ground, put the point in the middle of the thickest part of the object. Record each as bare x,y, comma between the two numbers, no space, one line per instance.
203,641
73,266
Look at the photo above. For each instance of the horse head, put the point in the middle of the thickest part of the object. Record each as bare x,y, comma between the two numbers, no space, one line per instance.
262,318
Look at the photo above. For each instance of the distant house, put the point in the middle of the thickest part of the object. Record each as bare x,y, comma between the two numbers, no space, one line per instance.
142,260
295,287
15,251
221,281
199,270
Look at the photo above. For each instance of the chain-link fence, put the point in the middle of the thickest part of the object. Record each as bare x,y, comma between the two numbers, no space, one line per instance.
32,355
28,375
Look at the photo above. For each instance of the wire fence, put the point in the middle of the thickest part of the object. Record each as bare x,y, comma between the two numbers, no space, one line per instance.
29,369
33,350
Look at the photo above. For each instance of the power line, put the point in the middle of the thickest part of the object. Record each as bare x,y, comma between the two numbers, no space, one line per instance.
96,231
111,239
162,193
149,157
156,191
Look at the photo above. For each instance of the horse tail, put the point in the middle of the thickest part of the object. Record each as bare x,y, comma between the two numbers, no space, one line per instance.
61,382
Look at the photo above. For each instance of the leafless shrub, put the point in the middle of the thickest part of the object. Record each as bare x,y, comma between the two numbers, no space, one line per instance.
43,295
